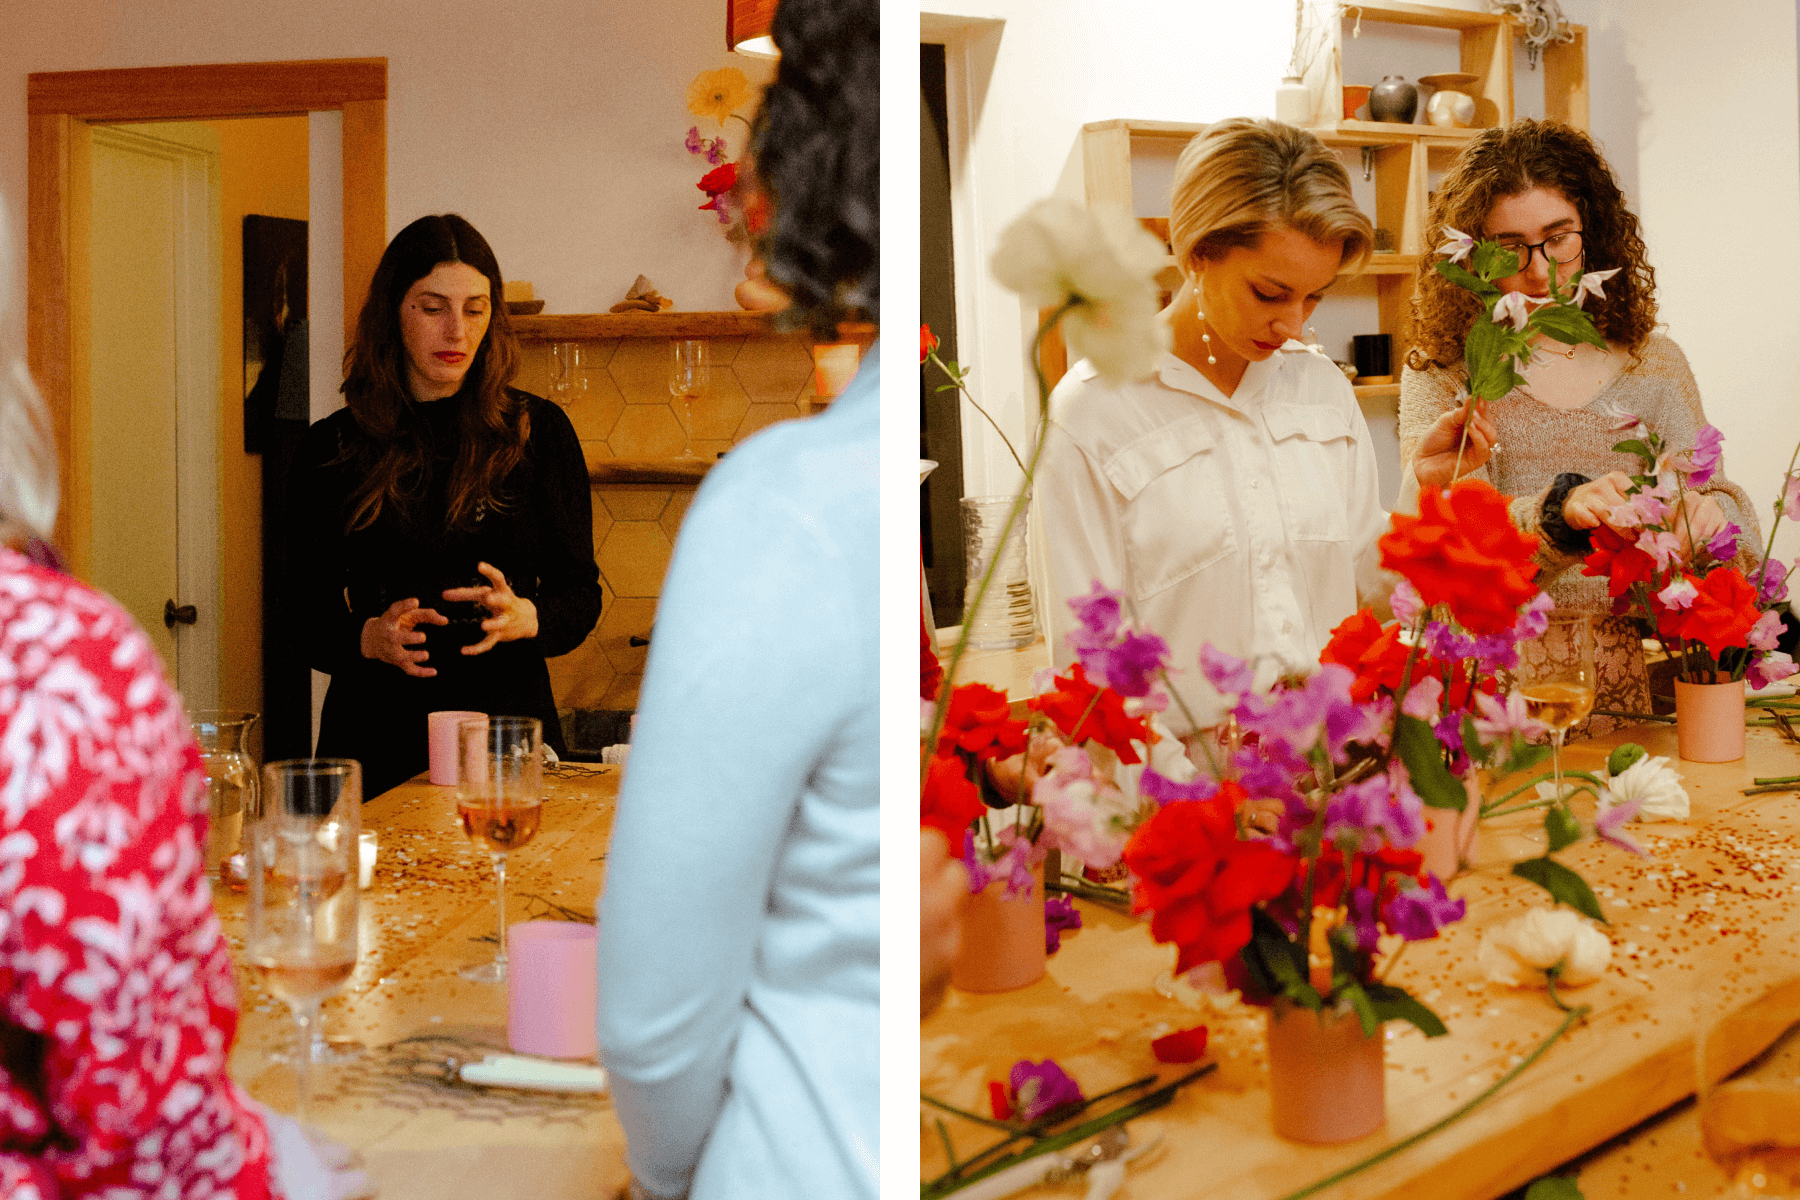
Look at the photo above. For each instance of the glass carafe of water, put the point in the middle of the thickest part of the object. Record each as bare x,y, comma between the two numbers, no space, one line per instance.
231,789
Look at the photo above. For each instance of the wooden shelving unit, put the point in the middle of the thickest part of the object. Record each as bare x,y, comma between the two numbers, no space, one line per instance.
1400,157
606,472
578,327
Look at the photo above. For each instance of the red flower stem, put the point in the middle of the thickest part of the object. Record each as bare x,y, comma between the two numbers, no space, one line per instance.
962,640
1408,1143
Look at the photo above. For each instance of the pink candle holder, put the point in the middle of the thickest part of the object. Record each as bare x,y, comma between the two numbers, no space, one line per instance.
441,732
551,1000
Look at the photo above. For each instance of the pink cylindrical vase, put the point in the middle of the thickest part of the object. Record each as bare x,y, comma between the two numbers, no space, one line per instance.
440,730
1002,938
1449,843
550,988
1709,720
1327,1082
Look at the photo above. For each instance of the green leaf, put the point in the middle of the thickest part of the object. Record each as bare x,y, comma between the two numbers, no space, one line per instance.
1567,324
1563,884
1561,827
1276,964
1397,1004
1463,279
1488,353
1555,1187
1491,260
1424,758
1525,757
1472,741
1365,1009
1637,447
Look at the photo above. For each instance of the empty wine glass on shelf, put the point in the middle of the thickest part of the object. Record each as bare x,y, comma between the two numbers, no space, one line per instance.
1557,680
562,372
301,915
499,802
687,383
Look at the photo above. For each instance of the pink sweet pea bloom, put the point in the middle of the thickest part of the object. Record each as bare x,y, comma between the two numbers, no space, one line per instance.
1610,825
1422,699
1503,719
1085,814
1680,594
1457,244
1406,602
1790,495
1703,459
1624,516
1769,668
1660,546
1514,307
1766,633
1589,285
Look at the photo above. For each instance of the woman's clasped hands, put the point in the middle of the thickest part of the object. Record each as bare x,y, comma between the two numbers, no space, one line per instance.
395,637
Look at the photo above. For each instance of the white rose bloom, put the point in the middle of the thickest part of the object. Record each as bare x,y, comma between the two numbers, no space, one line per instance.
1519,951
1657,782
1101,258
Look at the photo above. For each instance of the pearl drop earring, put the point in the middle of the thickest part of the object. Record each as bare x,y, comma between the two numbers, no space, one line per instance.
1204,336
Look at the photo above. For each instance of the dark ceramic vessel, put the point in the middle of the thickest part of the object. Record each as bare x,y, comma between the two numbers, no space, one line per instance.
1394,99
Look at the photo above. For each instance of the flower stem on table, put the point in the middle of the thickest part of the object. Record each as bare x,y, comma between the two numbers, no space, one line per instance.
1633,716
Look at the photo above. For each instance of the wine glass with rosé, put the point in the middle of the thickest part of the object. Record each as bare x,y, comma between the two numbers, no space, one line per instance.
499,802
301,915
1558,682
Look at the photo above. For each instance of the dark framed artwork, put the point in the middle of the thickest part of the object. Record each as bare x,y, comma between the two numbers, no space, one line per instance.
275,350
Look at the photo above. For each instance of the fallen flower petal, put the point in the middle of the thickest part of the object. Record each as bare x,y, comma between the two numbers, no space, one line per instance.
1183,1046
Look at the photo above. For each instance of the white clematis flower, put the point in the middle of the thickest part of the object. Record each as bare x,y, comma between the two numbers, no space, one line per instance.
1519,952
1514,307
1457,244
1656,783
1589,285
1102,262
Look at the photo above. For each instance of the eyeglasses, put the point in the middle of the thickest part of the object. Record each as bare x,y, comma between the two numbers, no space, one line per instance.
1562,249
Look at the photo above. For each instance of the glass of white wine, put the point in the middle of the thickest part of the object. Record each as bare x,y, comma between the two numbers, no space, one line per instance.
303,894
499,801
687,383
1557,680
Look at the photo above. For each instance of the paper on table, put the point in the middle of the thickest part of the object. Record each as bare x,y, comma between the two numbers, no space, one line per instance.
517,1071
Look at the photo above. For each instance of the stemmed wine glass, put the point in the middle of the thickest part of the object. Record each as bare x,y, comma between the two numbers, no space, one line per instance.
499,801
687,382
303,894
1558,683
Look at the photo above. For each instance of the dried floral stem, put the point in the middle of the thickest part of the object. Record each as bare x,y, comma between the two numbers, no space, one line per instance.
1408,1143
1763,577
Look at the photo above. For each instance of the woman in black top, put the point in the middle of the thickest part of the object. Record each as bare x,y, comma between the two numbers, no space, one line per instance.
447,536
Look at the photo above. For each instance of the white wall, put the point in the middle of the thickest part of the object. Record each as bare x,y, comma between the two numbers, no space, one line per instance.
555,126
1699,115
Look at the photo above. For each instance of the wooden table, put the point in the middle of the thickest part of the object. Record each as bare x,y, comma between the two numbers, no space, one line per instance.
1715,901
427,915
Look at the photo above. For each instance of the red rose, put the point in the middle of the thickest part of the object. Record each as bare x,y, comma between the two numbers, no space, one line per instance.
1183,1046
1618,558
1720,616
948,802
980,721
1374,652
927,343
1105,721
719,179
1198,880
1462,551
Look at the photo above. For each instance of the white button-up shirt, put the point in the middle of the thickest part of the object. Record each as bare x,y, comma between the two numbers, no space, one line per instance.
1247,521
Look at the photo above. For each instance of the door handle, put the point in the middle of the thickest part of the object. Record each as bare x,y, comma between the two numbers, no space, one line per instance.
187,614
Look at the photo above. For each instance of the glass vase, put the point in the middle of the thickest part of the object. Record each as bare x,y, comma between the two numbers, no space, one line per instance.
231,790
1004,618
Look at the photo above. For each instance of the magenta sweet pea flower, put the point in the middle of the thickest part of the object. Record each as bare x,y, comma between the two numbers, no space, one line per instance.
1040,1088
1770,668
1060,916
1773,580
1156,786
1363,918
1417,914
1380,810
1232,676
1724,544
1130,667
1703,460
1100,614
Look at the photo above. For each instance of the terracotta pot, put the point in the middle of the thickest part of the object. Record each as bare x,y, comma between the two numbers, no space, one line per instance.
1003,938
1327,1082
1709,720
1450,843
1355,95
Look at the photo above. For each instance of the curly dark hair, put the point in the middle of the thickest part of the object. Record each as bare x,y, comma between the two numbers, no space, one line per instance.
1506,162
493,419
816,147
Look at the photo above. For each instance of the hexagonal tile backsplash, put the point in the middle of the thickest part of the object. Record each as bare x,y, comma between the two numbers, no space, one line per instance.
626,411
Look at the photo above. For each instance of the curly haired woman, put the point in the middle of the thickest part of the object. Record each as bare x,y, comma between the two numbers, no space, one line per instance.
1543,189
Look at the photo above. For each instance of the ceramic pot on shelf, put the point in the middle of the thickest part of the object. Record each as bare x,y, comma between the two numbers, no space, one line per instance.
1709,720
1452,105
1355,96
1003,938
1451,842
1327,1081
1394,99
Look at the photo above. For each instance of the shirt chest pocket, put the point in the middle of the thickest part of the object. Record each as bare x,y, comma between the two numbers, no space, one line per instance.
1311,455
1176,518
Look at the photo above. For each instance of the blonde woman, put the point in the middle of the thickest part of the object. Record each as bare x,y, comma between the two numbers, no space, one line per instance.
1544,188
1231,495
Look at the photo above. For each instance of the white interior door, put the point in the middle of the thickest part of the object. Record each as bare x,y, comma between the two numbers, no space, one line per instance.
155,387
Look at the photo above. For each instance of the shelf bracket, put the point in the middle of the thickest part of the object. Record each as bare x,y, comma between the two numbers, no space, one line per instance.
1368,163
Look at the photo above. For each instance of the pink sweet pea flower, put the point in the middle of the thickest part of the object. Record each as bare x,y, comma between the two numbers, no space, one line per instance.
1680,594
1766,633
1406,602
1660,546
1457,244
1703,459
1502,720
1589,285
1771,667
1610,825
1514,307
1624,516
1790,495
1422,698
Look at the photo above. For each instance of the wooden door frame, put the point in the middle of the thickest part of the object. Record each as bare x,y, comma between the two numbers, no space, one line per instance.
60,105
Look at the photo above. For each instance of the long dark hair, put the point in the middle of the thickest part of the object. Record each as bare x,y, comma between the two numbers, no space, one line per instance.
816,147
494,422
1509,161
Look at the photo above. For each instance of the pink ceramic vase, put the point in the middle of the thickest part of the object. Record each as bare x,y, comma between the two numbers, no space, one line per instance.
1003,938
1327,1082
1709,720
1449,844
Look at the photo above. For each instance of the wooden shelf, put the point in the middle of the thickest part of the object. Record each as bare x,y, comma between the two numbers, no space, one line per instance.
1386,262
1376,391
1396,12
604,472
1391,133
577,327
